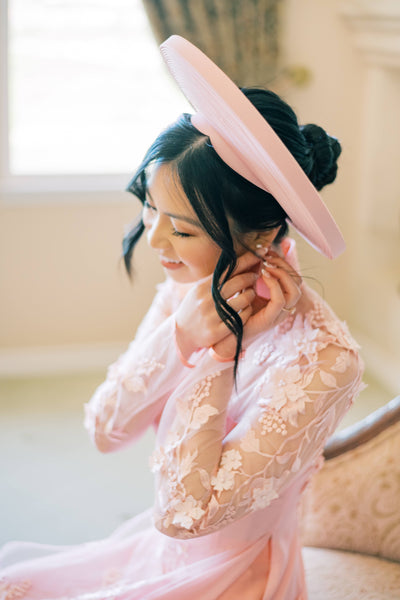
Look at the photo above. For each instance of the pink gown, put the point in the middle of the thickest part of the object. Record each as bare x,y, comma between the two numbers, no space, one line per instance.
230,465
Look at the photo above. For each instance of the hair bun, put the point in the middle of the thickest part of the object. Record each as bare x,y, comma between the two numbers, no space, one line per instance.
323,152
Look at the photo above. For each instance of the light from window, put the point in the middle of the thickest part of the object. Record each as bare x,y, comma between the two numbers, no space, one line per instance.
88,91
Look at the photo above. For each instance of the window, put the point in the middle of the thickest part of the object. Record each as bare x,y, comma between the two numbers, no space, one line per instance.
85,88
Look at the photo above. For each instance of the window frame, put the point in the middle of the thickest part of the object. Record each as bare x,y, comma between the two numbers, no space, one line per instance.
13,185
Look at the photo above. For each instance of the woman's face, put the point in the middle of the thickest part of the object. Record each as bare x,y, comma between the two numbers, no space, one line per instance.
186,252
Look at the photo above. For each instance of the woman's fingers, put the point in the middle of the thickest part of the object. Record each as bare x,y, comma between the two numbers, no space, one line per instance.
242,300
277,298
245,314
237,283
290,289
274,259
274,310
247,262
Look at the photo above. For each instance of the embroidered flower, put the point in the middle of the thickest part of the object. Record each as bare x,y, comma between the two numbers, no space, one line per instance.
231,459
172,440
283,386
201,415
14,591
263,353
338,333
157,460
186,512
186,463
202,389
328,379
249,442
301,340
135,382
342,362
225,477
263,496
114,371
223,480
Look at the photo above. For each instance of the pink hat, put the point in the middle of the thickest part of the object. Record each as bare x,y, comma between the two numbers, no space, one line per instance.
247,143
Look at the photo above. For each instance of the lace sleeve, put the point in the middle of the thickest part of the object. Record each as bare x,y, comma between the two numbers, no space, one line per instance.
138,383
206,479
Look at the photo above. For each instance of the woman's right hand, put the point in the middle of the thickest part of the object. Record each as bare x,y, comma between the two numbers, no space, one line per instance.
198,324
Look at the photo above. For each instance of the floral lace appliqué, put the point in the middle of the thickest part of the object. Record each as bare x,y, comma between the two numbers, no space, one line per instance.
263,495
185,512
231,461
283,390
136,381
14,591
342,362
272,421
201,415
262,355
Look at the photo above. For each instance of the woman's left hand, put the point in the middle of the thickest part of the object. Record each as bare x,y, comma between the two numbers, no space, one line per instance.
284,285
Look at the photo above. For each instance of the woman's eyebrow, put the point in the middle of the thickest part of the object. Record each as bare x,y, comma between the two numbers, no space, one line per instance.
178,217
183,218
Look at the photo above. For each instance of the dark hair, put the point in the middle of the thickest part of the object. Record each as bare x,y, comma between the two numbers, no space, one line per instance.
215,191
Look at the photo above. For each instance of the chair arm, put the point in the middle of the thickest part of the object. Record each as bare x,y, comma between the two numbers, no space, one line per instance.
353,502
363,431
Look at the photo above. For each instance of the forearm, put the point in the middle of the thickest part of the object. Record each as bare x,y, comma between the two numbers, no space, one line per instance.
135,390
189,443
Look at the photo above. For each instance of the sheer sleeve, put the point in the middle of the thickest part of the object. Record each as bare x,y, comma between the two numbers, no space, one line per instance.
206,478
138,383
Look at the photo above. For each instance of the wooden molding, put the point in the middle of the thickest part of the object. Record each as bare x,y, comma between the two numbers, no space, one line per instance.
363,431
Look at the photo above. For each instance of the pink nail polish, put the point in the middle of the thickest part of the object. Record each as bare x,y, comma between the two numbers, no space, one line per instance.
267,264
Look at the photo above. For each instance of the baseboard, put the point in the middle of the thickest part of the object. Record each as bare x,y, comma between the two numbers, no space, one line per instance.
53,360
380,363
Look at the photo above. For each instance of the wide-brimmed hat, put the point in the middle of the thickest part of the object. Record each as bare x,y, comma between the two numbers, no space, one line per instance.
247,143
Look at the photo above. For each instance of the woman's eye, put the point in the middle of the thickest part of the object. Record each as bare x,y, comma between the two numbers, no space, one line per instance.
181,234
146,204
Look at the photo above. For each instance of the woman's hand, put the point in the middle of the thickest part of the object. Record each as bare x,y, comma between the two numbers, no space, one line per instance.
284,285
198,324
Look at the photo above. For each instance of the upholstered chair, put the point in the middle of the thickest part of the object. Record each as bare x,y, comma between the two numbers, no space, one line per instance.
350,513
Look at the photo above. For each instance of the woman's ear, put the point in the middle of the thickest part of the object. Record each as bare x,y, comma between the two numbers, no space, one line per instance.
258,242
263,240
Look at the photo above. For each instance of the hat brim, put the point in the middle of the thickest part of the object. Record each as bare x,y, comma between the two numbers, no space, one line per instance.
248,144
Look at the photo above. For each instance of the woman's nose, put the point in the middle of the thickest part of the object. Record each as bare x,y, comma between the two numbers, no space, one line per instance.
156,233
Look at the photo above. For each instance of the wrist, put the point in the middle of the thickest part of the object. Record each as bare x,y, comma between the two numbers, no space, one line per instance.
225,350
183,350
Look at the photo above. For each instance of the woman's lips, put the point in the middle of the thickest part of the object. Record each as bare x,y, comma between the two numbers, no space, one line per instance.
171,264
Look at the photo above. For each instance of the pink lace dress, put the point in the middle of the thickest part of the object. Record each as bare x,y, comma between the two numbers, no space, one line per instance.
230,465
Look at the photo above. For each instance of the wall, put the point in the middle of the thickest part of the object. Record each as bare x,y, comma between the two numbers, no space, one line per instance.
61,281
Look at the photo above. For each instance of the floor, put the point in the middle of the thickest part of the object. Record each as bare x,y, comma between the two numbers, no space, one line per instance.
56,488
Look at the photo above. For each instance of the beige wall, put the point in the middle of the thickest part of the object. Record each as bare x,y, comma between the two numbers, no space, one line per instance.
62,278
316,37
61,282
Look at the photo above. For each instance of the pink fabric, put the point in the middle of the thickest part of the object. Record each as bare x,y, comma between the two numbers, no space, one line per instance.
248,144
230,465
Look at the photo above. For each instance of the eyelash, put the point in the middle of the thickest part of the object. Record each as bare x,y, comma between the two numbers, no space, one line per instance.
146,204
181,234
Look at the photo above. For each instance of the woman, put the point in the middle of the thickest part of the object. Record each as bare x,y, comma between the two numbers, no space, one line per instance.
244,371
